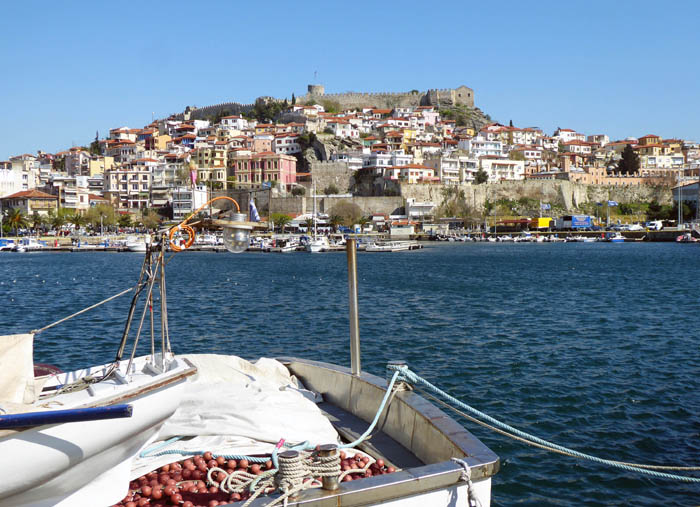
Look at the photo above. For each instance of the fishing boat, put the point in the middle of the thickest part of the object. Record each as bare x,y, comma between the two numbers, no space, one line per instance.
392,246
307,423
29,245
136,244
615,238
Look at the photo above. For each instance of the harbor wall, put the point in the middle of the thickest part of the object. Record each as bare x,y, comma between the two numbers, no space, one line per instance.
325,204
561,193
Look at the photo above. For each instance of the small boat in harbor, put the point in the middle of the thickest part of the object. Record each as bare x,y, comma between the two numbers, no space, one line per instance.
392,246
136,244
29,245
232,426
318,244
615,238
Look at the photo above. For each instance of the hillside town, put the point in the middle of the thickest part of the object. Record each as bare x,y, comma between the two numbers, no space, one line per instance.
173,165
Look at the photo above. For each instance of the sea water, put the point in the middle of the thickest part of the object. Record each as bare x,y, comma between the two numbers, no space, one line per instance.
590,345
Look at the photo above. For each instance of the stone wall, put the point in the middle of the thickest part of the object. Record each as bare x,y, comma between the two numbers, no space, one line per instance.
324,174
368,205
288,205
561,193
195,113
389,100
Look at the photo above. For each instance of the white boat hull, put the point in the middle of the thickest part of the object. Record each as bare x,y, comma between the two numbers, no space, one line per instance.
87,463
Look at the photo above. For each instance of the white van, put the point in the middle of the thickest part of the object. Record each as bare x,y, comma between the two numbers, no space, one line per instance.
655,225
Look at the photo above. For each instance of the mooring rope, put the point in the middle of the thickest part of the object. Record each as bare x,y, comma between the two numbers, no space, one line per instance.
540,446
410,376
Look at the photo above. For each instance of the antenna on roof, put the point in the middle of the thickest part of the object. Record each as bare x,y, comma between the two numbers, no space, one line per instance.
315,76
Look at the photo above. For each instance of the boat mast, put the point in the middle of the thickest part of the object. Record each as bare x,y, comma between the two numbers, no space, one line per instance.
314,210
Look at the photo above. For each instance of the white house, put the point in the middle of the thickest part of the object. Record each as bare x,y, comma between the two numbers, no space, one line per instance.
10,182
479,146
287,143
234,122
446,168
499,169
343,128
566,135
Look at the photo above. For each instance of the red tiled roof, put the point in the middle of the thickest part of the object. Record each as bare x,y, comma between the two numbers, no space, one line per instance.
31,194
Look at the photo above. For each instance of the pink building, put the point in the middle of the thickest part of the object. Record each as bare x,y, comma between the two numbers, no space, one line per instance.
251,171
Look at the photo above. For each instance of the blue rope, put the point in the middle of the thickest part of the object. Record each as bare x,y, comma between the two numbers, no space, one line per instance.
408,375
376,416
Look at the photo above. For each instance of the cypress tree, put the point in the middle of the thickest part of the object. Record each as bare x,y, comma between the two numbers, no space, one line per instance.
629,163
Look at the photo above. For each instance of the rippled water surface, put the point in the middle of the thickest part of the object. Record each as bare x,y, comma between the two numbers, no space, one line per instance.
594,346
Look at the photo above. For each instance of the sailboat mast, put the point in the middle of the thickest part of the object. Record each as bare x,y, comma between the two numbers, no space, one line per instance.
314,210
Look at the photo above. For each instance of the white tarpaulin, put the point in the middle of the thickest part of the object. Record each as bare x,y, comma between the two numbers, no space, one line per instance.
233,406
16,369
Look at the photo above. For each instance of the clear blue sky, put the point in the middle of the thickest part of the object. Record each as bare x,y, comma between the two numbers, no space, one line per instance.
72,68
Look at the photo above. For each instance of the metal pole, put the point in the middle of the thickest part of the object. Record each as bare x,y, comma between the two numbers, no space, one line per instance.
352,298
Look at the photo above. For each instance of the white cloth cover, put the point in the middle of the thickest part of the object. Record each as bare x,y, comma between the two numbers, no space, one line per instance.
233,406
17,369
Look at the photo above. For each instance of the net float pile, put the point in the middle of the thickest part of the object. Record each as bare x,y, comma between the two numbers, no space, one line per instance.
187,483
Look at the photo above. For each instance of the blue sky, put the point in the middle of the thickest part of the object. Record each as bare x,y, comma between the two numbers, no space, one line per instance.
73,68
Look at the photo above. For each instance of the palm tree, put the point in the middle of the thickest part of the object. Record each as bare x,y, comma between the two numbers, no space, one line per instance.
336,221
37,221
281,220
362,221
58,220
77,220
309,224
17,220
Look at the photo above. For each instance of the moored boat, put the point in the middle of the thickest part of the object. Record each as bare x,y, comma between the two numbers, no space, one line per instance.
407,461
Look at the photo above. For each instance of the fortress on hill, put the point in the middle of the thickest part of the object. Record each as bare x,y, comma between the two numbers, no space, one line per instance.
462,95
446,97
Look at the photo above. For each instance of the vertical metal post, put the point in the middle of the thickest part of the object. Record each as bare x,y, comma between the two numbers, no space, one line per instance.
352,299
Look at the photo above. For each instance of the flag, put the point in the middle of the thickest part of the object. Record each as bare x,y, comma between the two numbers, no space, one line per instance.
193,176
545,206
612,203
254,217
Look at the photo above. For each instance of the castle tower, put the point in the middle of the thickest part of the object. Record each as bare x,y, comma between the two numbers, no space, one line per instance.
316,89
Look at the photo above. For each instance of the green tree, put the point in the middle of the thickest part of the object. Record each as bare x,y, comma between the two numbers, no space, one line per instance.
331,190
78,220
336,221
124,220
150,218
655,211
629,163
348,211
298,191
309,224
17,220
280,220
105,212
37,221
294,99
481,177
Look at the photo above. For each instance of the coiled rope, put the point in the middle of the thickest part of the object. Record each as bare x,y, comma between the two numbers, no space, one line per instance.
409,376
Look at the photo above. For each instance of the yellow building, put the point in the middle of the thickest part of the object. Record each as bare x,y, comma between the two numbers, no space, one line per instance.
649,139
100,164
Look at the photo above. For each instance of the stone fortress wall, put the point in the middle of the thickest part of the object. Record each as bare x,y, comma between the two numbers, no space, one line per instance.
200,113
434,97
462,95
